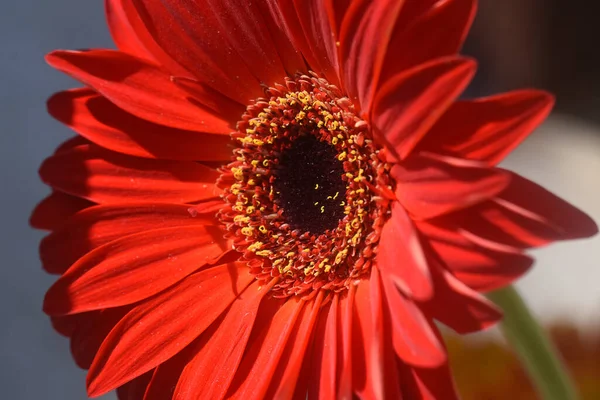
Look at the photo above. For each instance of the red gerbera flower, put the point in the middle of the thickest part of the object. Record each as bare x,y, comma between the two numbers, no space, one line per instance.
310,250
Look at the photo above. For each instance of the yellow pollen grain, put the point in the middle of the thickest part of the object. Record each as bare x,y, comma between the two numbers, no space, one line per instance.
237,174
340,256
247,231
264,253
256,246
322,209
341,156
241,219
262,229
334,141
250,210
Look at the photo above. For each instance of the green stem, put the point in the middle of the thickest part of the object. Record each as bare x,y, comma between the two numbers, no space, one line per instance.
530,342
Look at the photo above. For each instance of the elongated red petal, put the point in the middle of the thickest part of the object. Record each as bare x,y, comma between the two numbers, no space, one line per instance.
99,225
372,339
139,88
102,176
488,129
259,364
158,329
282,36
323,382
412,336
435,32
345,343
526,215
408,104
133,268
135,389
165,377
105,124
336,11
66,324
428,187
92,328
364,37
471,312
412,10
401,257
321,51
121,30
52,212
428,383
284,381
145,37
232,50
480,268
220,349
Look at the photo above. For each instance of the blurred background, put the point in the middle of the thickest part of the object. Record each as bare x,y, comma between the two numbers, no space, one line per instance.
548,44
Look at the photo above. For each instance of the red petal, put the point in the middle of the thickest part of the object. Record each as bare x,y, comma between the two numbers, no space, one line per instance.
323,382
133,268
121,30
321,50
400,256
428,383
166,375
345,344
220,349
364,38
428,187
488,129
381,381
105,177
99,225
138,88
224,44
91,330
284,381
409,103
135,389
438,31
52,212
282,36
260,362
413,10
204,95
105,124
480,268
526,215
158,329
336,10
65,324
413,338
459,307
71,143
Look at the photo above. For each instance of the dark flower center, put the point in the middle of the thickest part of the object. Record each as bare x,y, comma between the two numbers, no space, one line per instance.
309,185
302,192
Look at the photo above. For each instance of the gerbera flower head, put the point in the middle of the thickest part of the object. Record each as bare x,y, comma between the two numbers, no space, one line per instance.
279,198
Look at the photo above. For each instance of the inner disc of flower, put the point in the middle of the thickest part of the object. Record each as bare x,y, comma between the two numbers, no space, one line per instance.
302,193
309,186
